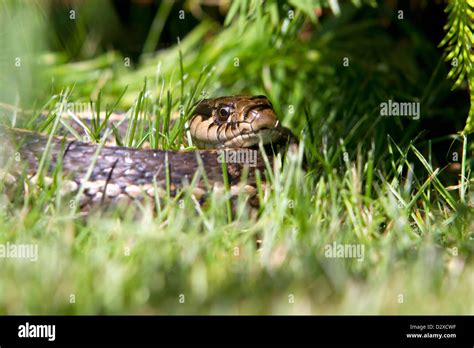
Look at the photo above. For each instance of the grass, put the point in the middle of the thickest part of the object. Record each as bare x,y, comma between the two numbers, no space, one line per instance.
367,181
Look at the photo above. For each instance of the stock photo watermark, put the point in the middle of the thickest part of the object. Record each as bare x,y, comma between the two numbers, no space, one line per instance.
400,109
344,251
241,156
76,107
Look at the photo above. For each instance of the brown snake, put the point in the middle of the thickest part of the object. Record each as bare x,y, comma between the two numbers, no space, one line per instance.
232,124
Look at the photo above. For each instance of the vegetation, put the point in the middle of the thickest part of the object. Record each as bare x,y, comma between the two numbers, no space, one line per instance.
397,186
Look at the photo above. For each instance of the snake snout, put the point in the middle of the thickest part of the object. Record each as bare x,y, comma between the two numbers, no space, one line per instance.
264,118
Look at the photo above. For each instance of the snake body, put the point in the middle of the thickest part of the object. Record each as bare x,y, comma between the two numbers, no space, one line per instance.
225,129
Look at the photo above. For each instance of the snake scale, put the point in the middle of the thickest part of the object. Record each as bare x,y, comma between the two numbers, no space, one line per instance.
233,124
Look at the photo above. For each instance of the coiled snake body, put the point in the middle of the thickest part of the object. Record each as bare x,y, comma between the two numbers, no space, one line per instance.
221,127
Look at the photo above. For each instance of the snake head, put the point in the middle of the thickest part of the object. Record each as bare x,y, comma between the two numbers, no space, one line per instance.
236,121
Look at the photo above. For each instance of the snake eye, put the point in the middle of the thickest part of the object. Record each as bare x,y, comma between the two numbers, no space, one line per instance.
224,113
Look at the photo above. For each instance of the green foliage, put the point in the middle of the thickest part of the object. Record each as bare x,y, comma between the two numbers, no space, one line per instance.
19,48
459,41
359,186
139,261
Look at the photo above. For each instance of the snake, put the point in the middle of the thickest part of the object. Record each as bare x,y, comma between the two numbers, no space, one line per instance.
228,133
